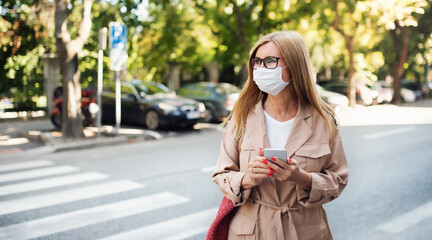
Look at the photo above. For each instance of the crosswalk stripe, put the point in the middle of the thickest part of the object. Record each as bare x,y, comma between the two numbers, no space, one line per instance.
63,222
178,228
24,165
408,219
50,183
34,202
37,173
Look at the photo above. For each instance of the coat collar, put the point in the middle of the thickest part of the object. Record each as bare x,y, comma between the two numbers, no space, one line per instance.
301,129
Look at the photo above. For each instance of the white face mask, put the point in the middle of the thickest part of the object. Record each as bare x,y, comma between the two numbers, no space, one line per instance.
270,80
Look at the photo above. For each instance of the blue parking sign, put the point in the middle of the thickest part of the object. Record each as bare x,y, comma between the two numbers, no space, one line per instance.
117,42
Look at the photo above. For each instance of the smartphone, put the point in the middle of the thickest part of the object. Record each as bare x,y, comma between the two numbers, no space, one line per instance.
279,153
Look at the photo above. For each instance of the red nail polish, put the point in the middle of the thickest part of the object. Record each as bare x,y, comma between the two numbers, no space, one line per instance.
268,175
271,170
289,159
274,159
264,161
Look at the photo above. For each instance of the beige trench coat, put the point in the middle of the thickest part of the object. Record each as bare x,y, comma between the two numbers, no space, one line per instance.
282,210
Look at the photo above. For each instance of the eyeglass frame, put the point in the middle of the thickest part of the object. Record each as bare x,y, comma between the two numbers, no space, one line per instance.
262,61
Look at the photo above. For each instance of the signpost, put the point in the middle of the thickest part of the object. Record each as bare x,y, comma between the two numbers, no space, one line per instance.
102,46
118,57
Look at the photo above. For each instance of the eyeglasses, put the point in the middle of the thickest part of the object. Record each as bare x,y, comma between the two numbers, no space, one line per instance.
269,62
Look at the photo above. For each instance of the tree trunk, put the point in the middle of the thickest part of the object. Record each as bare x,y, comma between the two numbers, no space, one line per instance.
213,72
351,71
400,43
173,76
68,49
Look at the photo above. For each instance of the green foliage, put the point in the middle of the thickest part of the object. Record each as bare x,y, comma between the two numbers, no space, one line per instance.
21,73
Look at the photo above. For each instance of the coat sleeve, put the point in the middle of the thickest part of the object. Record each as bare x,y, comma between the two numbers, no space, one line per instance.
227,174
329,183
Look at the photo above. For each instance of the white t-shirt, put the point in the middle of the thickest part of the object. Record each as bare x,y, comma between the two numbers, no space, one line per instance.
277,131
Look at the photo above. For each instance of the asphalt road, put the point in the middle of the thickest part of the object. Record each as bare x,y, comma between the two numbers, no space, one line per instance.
162,189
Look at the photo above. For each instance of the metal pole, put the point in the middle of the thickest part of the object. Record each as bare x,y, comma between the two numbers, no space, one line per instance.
99,91
118,102
102,46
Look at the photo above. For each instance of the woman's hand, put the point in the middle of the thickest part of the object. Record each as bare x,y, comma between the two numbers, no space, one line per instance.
258,169
290,171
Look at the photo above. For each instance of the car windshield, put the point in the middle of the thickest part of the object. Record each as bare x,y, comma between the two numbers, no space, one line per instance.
151,89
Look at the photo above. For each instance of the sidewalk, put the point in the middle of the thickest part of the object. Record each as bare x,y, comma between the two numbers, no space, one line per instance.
419,112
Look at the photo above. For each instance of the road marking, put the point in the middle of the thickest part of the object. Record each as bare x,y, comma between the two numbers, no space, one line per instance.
178,228
64,222
34,202
37,173
388,132
14,141
50,183
24,165
208,169
408,219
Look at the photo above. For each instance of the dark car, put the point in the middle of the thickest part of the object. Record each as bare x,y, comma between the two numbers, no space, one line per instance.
150,104
218,98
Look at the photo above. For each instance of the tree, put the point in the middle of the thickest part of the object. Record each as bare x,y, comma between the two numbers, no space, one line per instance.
348,32
68,50
420,48
396,16
24,37
353,23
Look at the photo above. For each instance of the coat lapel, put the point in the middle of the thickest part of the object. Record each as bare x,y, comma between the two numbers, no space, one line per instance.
301,130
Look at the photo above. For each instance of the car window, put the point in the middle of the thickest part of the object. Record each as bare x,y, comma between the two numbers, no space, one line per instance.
185,91
151,88
202,91
126,91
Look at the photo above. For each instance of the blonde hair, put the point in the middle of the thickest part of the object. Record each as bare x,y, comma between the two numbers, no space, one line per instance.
296,56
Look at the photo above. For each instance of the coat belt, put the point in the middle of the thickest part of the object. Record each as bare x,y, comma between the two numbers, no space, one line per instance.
282,210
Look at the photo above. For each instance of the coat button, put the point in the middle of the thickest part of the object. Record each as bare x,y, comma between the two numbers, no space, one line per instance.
224,180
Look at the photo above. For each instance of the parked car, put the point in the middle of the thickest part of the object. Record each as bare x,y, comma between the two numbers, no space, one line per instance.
89,107
385,93
334,99
419,91
150,104
407,95
218,98
375,93
363,94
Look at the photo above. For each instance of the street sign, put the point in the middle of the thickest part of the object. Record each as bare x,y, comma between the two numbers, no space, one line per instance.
117,41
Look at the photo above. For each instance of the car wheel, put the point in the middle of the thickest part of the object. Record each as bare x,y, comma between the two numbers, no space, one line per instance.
152,120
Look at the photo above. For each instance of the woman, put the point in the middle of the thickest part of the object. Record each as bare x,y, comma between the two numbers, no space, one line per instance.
280,108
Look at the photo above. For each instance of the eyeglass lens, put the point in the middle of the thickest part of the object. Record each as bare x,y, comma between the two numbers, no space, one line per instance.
269,62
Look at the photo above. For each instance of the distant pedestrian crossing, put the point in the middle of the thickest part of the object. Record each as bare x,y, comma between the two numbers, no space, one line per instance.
27,187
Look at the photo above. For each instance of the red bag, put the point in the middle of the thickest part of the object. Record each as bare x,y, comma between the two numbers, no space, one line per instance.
219,228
